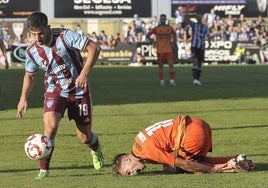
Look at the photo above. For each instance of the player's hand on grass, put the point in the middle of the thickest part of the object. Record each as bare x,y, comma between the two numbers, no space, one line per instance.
241,163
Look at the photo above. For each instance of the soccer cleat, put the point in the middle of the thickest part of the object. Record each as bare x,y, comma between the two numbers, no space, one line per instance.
97,158
197,82
172,83
42,175
162,83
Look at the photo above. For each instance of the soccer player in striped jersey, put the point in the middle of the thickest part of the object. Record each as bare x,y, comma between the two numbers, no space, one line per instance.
57,52
198,34
181,145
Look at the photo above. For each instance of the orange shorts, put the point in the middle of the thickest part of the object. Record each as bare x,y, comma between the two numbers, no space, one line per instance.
197,142
168,56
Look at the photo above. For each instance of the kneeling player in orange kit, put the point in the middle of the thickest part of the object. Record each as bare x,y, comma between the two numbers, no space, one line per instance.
191,140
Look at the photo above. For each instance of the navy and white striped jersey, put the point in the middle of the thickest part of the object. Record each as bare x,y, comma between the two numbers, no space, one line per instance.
61,61
199,34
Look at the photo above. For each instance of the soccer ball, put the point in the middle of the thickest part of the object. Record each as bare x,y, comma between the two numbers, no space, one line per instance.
37,146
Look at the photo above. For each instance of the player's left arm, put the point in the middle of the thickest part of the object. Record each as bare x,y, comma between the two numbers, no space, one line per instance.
192,166
93,51
238,163
197,167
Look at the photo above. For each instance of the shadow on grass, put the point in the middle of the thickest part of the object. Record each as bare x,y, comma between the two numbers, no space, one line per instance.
241,127
259,167
262,166
88,167
125,85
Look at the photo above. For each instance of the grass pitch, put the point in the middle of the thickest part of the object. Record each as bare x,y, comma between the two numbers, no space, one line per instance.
233,99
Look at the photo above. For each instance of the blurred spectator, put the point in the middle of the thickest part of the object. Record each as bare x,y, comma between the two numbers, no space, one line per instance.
103,39
261,24
229,21
184,46
3,49
118,38
240,53
128,34
222,34
79,29
233,33
210,18
94,37
254,35
7,40
180,34
133,36
111,41
179,15
138,58
214,35
240,20
8,44
218,22
141,37
153,23
263,39
28,38
243,35
139,24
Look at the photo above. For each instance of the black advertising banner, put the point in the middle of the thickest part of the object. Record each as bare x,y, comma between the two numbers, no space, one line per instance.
102,8
204,2
250,8
18,8
216,52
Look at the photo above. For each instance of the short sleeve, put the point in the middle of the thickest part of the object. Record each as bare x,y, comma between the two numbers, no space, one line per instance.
75,40
30,65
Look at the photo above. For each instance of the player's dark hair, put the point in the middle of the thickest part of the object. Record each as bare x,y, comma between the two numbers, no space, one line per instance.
163,15
117,162
37,20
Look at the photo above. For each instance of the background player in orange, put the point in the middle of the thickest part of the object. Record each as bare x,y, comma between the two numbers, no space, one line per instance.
165,41
191,140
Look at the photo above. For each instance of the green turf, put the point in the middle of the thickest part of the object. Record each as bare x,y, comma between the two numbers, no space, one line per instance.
233,99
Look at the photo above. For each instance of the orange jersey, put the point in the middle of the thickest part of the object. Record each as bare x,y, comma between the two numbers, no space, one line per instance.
157,143
164,34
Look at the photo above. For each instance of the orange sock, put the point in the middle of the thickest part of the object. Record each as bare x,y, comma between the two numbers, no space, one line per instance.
161,75
171,75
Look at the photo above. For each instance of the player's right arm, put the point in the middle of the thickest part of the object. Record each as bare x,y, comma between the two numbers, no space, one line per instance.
28,83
